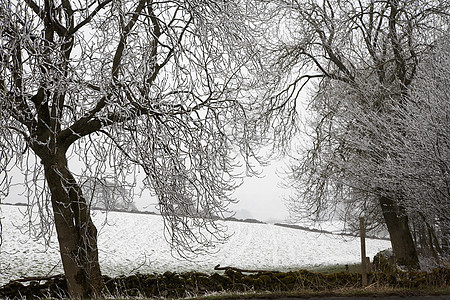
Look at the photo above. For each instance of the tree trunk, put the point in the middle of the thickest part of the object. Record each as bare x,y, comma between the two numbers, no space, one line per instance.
400,234
77,235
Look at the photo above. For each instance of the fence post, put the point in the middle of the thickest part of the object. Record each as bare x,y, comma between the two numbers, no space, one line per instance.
362,229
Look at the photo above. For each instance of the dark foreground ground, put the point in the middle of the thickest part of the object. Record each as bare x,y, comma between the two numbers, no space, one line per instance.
234,284
437,297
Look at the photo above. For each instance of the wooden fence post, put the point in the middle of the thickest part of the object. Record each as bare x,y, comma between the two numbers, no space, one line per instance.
362,229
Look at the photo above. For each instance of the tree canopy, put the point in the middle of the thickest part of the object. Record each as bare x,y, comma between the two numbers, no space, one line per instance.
363,60
115,84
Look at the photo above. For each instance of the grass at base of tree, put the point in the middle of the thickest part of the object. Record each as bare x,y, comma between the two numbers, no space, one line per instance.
371,291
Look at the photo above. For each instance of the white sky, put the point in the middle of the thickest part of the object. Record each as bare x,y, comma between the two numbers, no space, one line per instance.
262,198
259,197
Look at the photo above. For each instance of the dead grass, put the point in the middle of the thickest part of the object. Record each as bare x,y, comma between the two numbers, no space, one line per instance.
371,291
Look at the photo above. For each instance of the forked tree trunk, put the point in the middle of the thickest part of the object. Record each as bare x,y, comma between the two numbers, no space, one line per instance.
77,235
400,234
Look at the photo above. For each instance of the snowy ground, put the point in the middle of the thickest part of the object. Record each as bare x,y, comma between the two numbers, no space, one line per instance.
135,243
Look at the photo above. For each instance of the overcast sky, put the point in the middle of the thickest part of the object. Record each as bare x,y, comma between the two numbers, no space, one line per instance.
259,198
262,198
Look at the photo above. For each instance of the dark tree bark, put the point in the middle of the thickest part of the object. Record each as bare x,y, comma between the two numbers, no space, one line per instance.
77,235
401,239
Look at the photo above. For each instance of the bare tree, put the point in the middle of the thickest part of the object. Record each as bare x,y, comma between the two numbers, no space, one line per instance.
422,164
363,57
118,83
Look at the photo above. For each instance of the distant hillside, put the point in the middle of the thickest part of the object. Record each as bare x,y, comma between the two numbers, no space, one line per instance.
254,221
134,210
293,226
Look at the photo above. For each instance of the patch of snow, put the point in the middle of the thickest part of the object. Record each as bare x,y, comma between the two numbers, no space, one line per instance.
135,243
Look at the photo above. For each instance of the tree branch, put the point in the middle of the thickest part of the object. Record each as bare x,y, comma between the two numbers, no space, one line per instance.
37,10
219,268
121,46
89,18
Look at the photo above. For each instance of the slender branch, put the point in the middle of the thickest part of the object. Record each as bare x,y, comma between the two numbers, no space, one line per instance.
38,278
89,18
35,8
396,46
125,31
219,268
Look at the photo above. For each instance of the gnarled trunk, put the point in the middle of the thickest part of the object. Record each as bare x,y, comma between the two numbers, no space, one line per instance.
77,235
399,232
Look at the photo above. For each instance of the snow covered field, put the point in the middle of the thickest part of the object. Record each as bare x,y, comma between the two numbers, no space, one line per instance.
135,243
